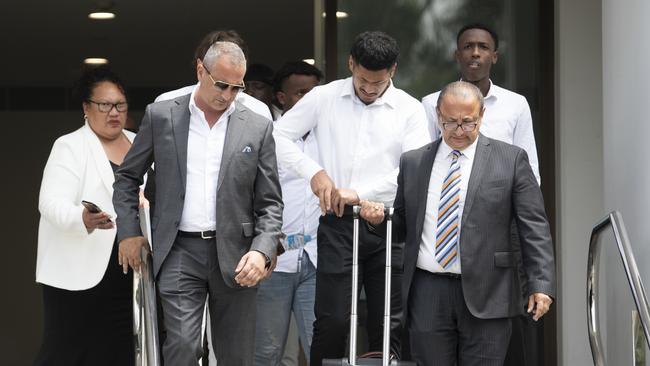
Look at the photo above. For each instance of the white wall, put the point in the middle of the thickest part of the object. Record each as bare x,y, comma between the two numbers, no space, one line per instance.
626,127
579,165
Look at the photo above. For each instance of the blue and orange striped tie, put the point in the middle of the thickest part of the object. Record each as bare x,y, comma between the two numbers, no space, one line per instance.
447,226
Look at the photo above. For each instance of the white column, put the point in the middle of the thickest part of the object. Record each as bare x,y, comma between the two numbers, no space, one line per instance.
579,168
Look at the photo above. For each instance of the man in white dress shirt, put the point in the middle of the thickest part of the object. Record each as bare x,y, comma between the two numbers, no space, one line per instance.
248,101
507,114
362,125
207,41
292,287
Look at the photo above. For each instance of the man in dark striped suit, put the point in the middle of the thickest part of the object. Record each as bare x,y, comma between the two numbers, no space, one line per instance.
456,199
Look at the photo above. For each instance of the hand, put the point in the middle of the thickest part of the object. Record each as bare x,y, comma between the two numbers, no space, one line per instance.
322,186
342,197
373,212
129,253
540,303
100,220
250,268
269,271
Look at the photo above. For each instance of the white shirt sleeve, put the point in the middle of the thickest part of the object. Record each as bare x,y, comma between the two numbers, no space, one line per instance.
416,135
429,103
524,137
59,189
294,124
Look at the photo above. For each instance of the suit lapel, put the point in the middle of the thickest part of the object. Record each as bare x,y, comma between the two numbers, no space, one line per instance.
100,159
424,176
234,133
180,114
478,168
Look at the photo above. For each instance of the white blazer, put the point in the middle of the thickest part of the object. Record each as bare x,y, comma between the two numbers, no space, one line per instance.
77,169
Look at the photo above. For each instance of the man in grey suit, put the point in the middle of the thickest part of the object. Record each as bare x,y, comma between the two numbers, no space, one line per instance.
456,199
218,209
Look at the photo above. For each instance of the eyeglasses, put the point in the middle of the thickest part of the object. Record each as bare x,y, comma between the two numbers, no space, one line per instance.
222,85
106,107
465,126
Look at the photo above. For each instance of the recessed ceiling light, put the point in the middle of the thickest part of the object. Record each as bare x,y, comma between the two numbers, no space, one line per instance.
95,61
310,61
101,15
339,14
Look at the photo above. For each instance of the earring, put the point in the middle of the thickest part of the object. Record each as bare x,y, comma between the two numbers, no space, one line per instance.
85,118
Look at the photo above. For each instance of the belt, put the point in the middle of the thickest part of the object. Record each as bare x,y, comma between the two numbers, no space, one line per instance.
205,235
455,276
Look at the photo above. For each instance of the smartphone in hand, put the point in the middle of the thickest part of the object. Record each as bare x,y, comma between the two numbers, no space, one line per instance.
91,207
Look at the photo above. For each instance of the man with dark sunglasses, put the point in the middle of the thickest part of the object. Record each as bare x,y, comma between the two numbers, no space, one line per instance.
217,209
207,41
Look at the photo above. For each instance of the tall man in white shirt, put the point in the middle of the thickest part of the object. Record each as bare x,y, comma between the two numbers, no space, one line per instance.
456,199
507,114
217,216
362,125
292,287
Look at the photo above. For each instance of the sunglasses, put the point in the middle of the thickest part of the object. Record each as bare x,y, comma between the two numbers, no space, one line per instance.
223,86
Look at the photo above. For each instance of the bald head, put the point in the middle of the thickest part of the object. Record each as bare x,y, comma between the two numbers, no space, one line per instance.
460,110
463,91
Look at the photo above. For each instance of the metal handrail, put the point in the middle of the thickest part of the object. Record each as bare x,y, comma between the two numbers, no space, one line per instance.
615,220
145,318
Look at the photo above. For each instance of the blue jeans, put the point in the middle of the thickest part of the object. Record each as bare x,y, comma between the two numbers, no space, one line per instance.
277,297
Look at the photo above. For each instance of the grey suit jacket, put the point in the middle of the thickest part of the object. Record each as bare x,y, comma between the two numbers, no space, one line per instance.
249,201
501,187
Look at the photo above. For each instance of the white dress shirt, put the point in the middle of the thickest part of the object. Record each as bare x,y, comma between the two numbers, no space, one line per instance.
507,118
359,145
204,153
426,257
243,98
301,210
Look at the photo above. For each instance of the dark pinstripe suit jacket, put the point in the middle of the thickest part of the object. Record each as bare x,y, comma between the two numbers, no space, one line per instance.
501,188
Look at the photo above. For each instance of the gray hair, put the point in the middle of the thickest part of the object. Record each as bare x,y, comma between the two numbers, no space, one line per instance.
224,49
461,89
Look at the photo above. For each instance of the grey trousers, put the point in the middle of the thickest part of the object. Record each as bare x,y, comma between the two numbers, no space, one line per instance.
189,273
442,330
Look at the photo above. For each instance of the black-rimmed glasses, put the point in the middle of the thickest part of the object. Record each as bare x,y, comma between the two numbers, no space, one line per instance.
222,85
465,126
106,107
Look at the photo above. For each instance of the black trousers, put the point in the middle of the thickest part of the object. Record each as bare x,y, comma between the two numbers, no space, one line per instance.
442,330
334,287
90,327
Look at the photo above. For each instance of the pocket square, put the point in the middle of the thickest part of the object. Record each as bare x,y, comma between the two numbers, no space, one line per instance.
247,149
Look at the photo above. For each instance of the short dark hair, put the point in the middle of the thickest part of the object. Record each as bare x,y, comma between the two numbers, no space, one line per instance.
259,72
218,36
294,68
481,26
91,77
374,50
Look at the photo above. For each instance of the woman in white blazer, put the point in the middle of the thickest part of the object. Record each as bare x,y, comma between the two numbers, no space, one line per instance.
88,311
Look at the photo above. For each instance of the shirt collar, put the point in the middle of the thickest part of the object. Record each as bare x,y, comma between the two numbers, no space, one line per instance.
389,97
493,92
468,152
194,110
